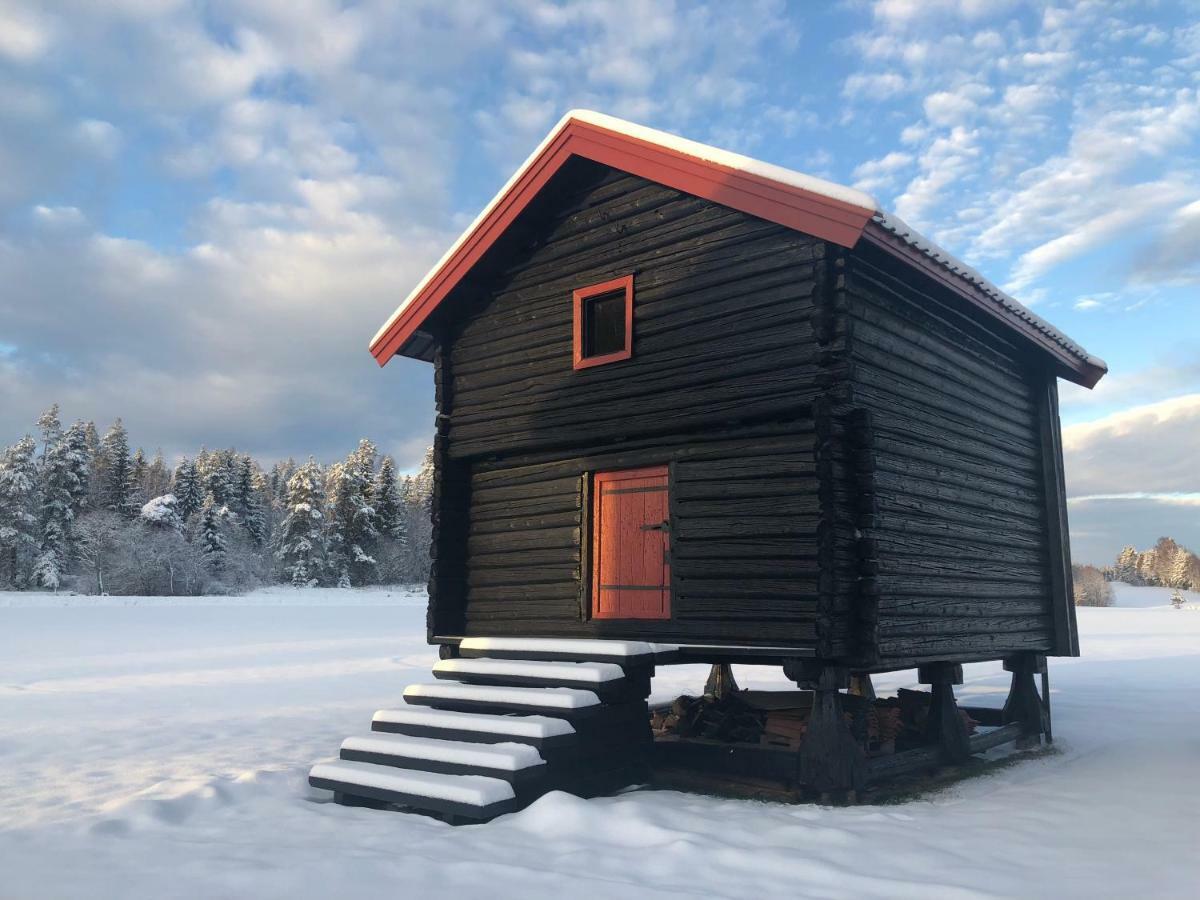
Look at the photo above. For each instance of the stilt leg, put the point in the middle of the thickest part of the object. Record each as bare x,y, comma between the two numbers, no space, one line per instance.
945,726
861,686
1047,720
1023,704
830,759
720,681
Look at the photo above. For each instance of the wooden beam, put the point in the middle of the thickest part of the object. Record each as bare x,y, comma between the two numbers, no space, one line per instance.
1062,594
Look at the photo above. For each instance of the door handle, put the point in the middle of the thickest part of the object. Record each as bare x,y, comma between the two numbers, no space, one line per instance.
661,526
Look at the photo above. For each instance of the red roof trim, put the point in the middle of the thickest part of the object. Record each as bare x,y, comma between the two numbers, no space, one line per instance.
794,207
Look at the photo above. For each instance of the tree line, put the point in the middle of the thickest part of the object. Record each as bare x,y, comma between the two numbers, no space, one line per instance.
82,511
1166,564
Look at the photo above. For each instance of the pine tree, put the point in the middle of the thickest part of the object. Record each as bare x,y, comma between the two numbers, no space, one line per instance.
118,481
18,512
352,527
242,486
212,542
217,475
388,512
139,472
99,466
1125,569
250,502
79,461
57,515
158,478
1180,572
188,493
423,483
301,542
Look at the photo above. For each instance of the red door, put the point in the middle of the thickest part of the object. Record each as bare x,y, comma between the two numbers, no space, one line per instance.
631,569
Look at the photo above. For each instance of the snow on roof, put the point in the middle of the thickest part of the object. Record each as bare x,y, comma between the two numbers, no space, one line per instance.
901,229
788,178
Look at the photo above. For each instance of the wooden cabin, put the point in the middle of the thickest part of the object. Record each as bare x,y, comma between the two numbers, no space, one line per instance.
692,401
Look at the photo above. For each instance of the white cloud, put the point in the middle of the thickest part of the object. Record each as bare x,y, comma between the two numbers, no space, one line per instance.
874,86
875,174
25,34
1145,449
1175,254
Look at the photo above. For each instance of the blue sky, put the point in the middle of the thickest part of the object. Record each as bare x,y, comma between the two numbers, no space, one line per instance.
208,208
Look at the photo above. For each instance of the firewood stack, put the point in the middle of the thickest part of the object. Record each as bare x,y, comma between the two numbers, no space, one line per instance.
729,718
780,719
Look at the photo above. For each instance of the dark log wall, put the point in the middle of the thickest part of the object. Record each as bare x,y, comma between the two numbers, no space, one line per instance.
721,385
961,565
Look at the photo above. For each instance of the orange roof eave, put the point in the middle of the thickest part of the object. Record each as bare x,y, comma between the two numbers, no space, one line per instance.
791,205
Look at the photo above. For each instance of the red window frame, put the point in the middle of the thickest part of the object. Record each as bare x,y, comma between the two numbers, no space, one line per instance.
579,297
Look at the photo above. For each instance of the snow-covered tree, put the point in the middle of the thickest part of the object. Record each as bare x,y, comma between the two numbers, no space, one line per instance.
300,547
117,489
212,541
162,512
139,471
1125,569
388,512
422,484
18,512
158,477
187,490
1180,573
79,461
217,475
352,528
100,537
98,465
58,486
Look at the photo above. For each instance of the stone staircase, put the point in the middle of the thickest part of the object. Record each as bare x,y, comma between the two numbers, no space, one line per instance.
506,721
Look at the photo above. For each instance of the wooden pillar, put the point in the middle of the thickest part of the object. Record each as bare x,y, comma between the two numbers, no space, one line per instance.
720,681
1023,705
945,726
829,759
861,686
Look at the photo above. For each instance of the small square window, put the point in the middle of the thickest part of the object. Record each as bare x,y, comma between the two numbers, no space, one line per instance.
604,322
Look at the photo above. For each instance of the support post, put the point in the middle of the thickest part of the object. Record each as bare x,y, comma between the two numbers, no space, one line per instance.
1023,705
945,726
1047,719
829,759
720,681
861,686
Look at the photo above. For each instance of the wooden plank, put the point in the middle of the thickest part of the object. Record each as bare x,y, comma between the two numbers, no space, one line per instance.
1066,632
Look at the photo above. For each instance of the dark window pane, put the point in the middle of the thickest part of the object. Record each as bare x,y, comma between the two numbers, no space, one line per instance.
604,324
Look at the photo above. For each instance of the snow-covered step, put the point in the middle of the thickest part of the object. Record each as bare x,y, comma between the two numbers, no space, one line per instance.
542,732
606,679
624,653
469,796
515,763
568,703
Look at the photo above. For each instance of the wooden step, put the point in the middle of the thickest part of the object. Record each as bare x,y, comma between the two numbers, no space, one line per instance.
467,796
518,764
542,732
566,703
623,653
604,679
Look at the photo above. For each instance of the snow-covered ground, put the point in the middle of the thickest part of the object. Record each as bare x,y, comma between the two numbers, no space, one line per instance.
158,748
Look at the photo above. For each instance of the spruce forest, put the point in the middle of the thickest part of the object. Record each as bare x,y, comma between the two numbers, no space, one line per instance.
80,511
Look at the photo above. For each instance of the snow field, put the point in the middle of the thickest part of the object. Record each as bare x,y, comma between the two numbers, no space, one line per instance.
161,750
